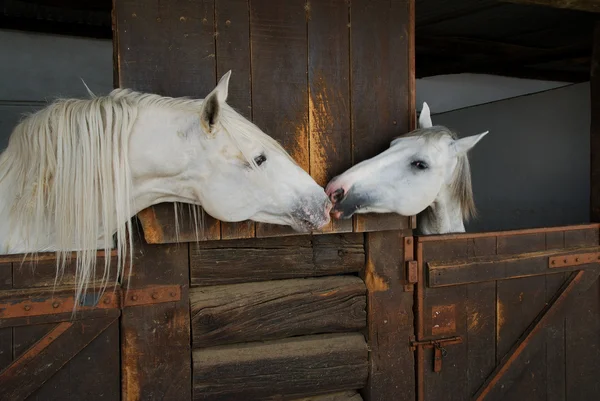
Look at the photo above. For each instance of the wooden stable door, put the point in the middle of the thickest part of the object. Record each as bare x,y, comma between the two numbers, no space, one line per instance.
45,353
508,315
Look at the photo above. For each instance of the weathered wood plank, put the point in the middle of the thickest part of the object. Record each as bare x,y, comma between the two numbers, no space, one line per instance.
583,345
329,94
250,260
511,366
233,53
6,334
390,319
168,48
279,81
292,367
481,333
499,267
595,127
92,375
271,310
380,85
42,273
47,356
555,360
341,396
445,315
155,339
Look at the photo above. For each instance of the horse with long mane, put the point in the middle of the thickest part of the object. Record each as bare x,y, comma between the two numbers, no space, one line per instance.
76,172
425,172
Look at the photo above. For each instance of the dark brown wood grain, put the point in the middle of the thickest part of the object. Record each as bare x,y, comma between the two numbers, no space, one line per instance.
269,370
233,53
341,396
583,345
527,346
390,319
480,333
6,334
329,94
93,374
554,361
279,81
236,313
492,268
36,365
249,260
595,128
380,84
445,315
168,48
155,339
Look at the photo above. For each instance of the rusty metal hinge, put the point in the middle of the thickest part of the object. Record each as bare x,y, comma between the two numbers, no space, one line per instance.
410,273
573,259
439,351
49,303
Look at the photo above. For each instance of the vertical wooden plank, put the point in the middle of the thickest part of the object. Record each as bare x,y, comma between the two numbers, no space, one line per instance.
595,128
519,301
329,94
168,48
279,80
555,346
481,333
6,334
583,346
233,53
390,320
446,316
155,339
380,84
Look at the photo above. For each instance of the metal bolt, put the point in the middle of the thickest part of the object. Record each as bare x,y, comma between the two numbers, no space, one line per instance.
107,300
27,307
576,259
409,241
154,295
134,297
565,260
554,262
55,305
173,294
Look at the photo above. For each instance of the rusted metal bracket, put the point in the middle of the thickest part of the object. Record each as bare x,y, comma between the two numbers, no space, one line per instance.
151,295
573,259
410,265
49,303
439,351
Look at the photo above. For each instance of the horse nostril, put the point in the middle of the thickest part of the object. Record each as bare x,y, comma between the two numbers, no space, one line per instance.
338,195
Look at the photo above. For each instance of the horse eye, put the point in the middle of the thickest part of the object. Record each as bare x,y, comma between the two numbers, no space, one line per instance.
421,165
260,159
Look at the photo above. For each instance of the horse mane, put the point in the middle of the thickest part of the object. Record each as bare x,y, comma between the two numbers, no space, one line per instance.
461,188
66,175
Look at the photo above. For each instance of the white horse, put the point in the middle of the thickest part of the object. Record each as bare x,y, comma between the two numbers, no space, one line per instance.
425,172
76,172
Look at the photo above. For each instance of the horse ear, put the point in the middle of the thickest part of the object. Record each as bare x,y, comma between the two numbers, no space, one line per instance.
465,144
211,106
425,117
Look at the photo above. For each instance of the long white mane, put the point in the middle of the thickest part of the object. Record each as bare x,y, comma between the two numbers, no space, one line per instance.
65,176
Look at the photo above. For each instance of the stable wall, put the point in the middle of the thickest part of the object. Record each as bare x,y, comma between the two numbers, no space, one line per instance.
43,67
533,168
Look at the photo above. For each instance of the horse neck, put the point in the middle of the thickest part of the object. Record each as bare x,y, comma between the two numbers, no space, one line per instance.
443,216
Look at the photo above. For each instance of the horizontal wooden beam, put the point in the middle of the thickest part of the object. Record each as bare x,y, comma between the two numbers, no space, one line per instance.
251,260
281,369
228,314
592,6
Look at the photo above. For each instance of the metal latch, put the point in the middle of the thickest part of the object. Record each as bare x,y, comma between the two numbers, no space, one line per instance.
411,275
439,351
